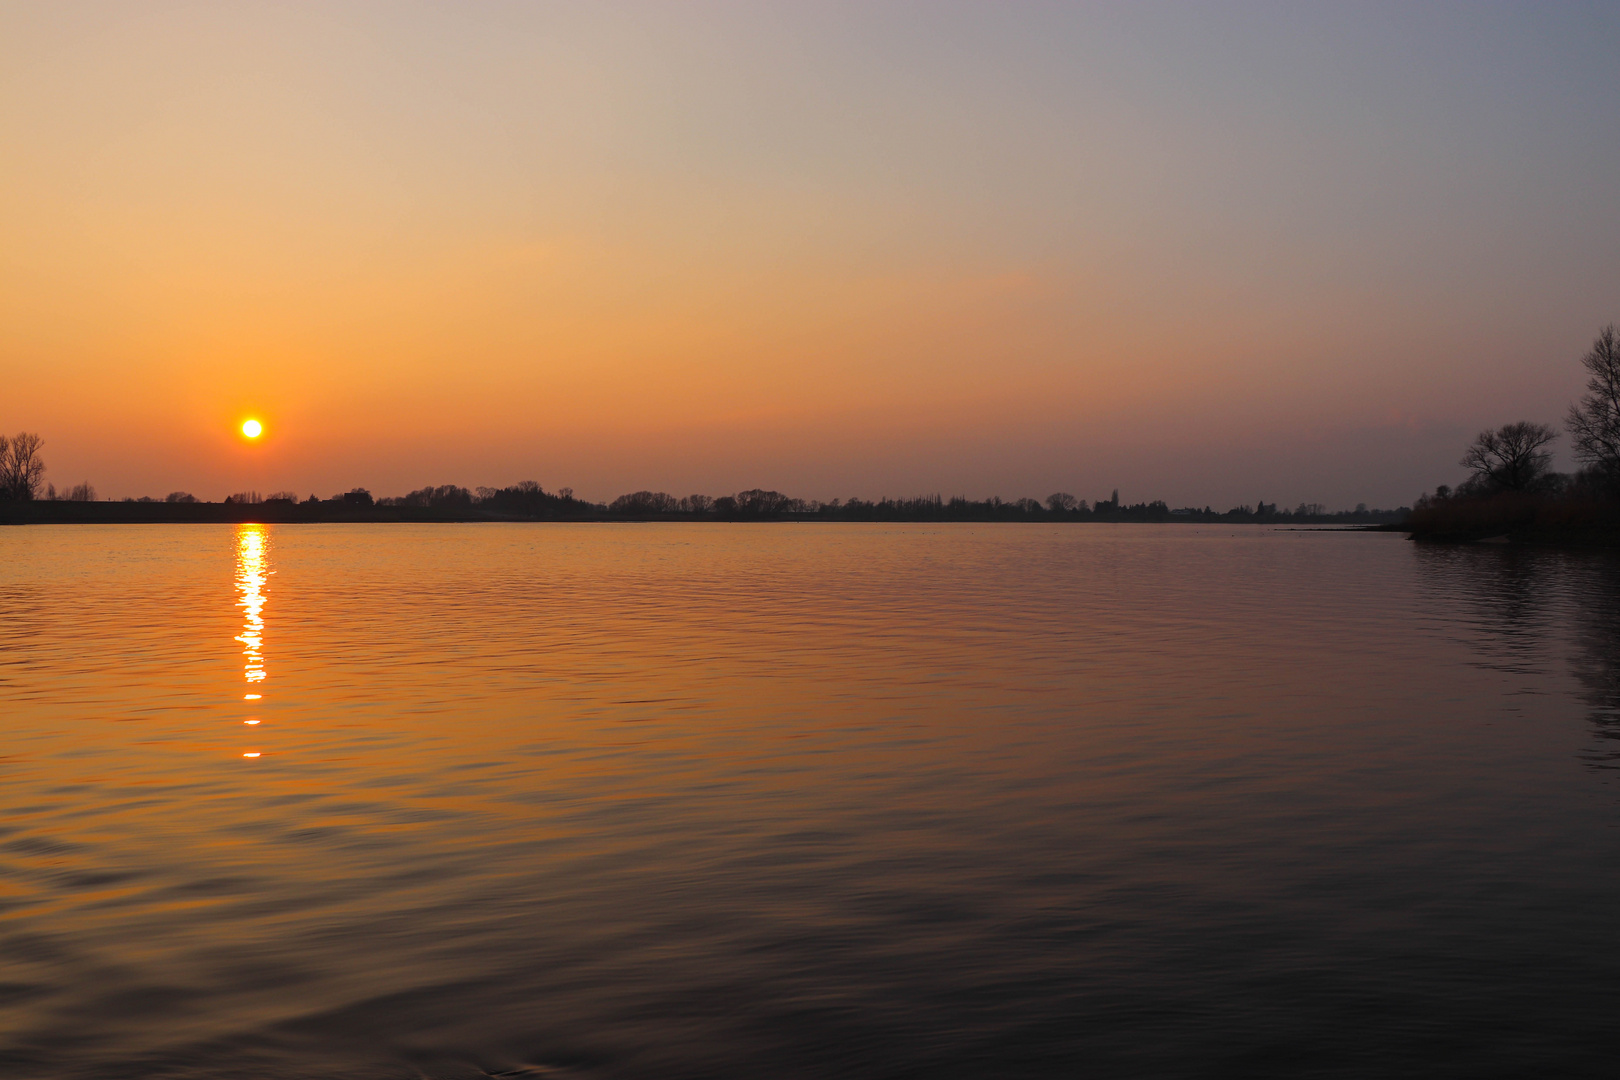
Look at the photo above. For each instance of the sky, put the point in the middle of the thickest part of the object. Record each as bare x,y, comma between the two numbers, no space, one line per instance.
1205,253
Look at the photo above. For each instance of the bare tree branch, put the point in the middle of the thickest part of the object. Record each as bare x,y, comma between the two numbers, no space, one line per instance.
1594,423
21,468
1511,458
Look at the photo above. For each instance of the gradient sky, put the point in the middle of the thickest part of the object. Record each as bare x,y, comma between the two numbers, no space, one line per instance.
1205,253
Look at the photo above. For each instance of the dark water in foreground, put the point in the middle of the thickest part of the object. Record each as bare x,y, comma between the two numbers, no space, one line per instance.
783,801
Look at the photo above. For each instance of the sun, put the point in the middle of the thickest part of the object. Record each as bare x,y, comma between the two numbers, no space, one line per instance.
252,429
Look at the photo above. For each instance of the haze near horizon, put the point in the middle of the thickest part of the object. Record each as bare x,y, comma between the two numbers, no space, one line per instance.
1201,254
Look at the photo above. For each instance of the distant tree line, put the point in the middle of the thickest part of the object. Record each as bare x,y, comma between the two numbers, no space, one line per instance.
528,499
175,497
21,470
1511,488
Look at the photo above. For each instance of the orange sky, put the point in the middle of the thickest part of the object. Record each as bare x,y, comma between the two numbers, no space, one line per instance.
1207,256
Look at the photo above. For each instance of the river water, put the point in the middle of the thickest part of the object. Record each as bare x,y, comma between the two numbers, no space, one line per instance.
804,801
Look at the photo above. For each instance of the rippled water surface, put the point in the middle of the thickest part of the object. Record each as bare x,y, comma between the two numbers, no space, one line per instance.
803,800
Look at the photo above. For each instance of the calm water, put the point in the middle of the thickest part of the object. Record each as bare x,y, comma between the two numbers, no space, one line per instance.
803,800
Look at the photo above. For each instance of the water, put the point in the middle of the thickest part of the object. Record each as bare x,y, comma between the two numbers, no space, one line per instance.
803,800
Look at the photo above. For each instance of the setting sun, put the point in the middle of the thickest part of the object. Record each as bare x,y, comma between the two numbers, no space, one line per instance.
252,429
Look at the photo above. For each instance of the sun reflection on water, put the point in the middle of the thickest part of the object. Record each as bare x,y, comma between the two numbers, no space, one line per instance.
252,570
251,563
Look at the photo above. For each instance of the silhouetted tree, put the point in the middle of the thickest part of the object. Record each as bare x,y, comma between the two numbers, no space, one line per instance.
21,467
1061,502
1510,458
1594,423
81,493
182,497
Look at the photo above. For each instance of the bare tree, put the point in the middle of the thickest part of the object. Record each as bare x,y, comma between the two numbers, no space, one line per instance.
1062,502
81,493
21,468
1594,423
1510,458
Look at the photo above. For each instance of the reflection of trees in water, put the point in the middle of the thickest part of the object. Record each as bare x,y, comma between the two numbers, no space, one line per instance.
1506,594
1597,657
1518,599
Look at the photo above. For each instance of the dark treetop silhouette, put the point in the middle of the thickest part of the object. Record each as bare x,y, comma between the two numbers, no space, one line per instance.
21,468
1511,458
1594,421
